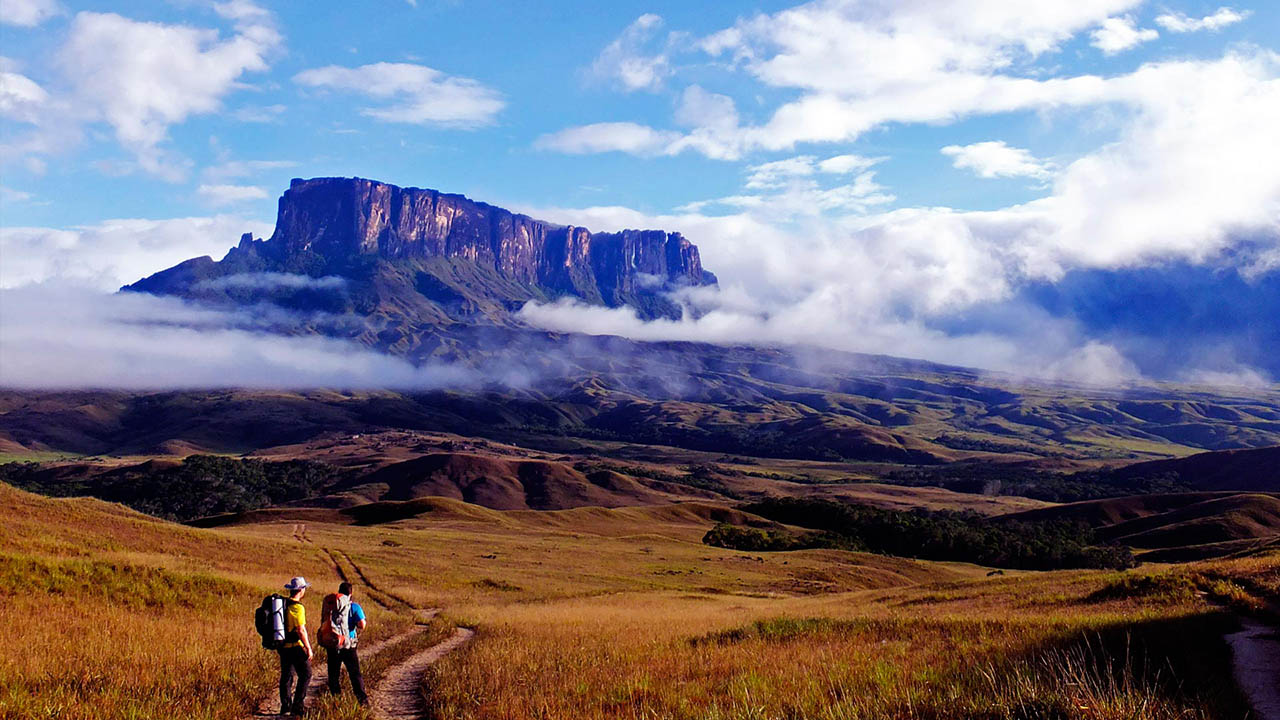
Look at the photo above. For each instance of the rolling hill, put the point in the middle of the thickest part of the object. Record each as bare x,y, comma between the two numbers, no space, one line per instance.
1176,527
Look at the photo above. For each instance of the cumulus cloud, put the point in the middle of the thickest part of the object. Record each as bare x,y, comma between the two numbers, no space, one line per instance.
1118,34
143,77
230,194
607,137
858,66
630,60
803,185
417,94
1191,176
114,252
1177,22
21,98
232,169
1192,170
140,342
862,66
994,159
28,13
778,172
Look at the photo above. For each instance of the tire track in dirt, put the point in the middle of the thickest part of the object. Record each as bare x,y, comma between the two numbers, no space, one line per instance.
319,673
399,695
388,599
320,676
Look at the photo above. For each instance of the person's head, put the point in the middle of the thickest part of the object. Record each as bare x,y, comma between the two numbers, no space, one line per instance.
345,589
297,587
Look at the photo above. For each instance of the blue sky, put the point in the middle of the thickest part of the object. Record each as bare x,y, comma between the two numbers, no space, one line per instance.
875,169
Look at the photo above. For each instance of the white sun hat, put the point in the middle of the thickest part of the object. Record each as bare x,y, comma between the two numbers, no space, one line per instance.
296,584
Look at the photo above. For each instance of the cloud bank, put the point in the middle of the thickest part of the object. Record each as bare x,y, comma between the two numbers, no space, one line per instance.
1187,182
113,253
59,337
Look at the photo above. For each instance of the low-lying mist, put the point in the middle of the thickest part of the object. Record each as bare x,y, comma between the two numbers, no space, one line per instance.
59,337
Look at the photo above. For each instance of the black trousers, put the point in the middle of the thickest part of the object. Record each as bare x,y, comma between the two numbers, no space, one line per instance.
350,658
293,661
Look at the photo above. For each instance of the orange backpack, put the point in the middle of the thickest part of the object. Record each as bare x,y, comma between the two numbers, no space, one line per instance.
332,633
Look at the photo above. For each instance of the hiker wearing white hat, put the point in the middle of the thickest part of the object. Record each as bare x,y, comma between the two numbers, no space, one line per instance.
295,652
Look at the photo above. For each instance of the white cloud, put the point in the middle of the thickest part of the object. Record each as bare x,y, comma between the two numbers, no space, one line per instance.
114,252
21,98
847,163
860,65
28,13
259,113
1240,377
701,109
782,190
272,281
1193,171
230,194
1195,168
9,195
626,61
245,168
1094,363
143,77
137,341
607,137
1120,33
1180,23
776,173
417,94
994,159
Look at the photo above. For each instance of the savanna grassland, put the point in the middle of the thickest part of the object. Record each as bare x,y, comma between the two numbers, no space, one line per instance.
594,613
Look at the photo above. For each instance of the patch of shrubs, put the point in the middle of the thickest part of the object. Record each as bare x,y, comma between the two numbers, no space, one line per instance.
199,486
1059,487
1172,587
752,539
928,535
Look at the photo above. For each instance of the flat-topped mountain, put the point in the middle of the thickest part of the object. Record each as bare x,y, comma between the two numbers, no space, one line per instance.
409,256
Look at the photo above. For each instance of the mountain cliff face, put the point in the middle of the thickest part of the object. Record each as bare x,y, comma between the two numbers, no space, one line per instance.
420,256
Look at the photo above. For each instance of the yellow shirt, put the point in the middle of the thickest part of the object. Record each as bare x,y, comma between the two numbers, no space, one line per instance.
295,616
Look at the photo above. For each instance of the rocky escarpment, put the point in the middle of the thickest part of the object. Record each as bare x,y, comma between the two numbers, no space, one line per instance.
427,256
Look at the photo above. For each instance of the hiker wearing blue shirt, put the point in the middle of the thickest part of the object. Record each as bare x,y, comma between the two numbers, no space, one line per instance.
347,655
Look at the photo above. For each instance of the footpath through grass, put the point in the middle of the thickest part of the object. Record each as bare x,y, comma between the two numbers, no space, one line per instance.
121,616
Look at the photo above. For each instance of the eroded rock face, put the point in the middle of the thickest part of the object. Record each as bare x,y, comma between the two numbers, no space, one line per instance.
406,259
346,217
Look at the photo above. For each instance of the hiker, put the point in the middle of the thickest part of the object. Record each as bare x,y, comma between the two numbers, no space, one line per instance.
346,655
295,652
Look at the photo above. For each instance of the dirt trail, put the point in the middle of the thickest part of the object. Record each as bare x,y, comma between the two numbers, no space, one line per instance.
320,676
399,695
1255,660
387,600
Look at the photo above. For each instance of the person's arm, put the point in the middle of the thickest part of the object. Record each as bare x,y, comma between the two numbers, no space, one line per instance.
306,638
360,625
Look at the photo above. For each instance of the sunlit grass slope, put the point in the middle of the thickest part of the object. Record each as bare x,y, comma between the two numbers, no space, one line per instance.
594,613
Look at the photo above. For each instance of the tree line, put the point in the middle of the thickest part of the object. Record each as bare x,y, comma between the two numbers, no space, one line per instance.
928,535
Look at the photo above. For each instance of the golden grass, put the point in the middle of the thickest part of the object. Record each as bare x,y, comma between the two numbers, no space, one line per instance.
597,614
859,655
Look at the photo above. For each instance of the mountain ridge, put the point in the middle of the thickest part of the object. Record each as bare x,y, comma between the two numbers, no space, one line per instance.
404,258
